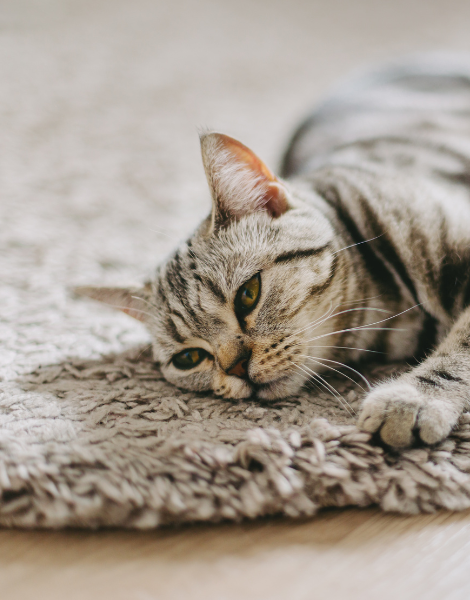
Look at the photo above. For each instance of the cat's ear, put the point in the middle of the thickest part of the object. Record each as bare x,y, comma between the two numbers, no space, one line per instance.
132,301
239,181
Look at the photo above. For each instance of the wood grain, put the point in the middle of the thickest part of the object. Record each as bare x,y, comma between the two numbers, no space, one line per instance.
351,554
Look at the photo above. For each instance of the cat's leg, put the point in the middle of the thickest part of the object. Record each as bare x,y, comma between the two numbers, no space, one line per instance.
428,400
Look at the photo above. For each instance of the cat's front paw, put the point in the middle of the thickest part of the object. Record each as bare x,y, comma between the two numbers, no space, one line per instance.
399,410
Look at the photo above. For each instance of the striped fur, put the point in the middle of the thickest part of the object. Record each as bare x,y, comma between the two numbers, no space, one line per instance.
371,220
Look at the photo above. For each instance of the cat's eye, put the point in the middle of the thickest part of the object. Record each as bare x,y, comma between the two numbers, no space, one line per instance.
190,358
248,295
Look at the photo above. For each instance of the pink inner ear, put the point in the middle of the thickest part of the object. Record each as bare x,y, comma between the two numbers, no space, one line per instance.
276,202
241,183
243,154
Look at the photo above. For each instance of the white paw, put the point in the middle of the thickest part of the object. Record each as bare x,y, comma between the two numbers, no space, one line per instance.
399,409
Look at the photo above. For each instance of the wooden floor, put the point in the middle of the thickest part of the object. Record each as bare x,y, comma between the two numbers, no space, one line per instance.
351,554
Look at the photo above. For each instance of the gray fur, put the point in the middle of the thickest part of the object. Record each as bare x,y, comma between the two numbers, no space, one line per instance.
373,215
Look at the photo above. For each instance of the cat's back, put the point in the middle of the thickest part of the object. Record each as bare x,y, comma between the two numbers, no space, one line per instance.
413,115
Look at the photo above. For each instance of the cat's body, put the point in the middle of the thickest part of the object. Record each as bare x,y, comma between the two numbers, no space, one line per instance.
289,278
391,155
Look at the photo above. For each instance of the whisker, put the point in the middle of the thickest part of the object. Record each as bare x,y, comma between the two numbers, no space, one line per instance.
350,348
144,349
126,308
162,232
331,309
367,326
335,392
146,302
336,371
362,300
359,243
356,329
143,300
362,308
349,408
327,386
310,374
341,364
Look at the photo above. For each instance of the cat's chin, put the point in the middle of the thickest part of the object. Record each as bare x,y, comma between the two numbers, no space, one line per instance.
274,390
281,388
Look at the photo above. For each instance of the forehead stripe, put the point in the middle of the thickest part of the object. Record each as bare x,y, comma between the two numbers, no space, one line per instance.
174,331
178,290
215,289
300,254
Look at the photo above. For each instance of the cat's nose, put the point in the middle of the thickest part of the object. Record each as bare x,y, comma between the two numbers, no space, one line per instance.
240,368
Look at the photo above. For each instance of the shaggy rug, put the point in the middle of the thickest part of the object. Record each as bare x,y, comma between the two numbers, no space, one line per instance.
109,442
100,176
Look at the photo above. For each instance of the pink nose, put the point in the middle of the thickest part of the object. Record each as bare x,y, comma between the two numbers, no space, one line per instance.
240,369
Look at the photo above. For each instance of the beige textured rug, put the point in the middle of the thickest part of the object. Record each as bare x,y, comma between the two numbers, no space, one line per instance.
109,442
100,176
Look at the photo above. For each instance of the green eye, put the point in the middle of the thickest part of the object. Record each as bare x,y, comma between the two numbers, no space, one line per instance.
190,358
248,295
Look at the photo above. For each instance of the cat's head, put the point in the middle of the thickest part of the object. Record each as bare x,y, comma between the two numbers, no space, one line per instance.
235,308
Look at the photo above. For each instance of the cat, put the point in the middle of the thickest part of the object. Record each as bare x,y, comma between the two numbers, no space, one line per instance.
361,244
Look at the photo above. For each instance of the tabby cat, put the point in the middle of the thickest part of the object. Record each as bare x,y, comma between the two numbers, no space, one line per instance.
363,244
